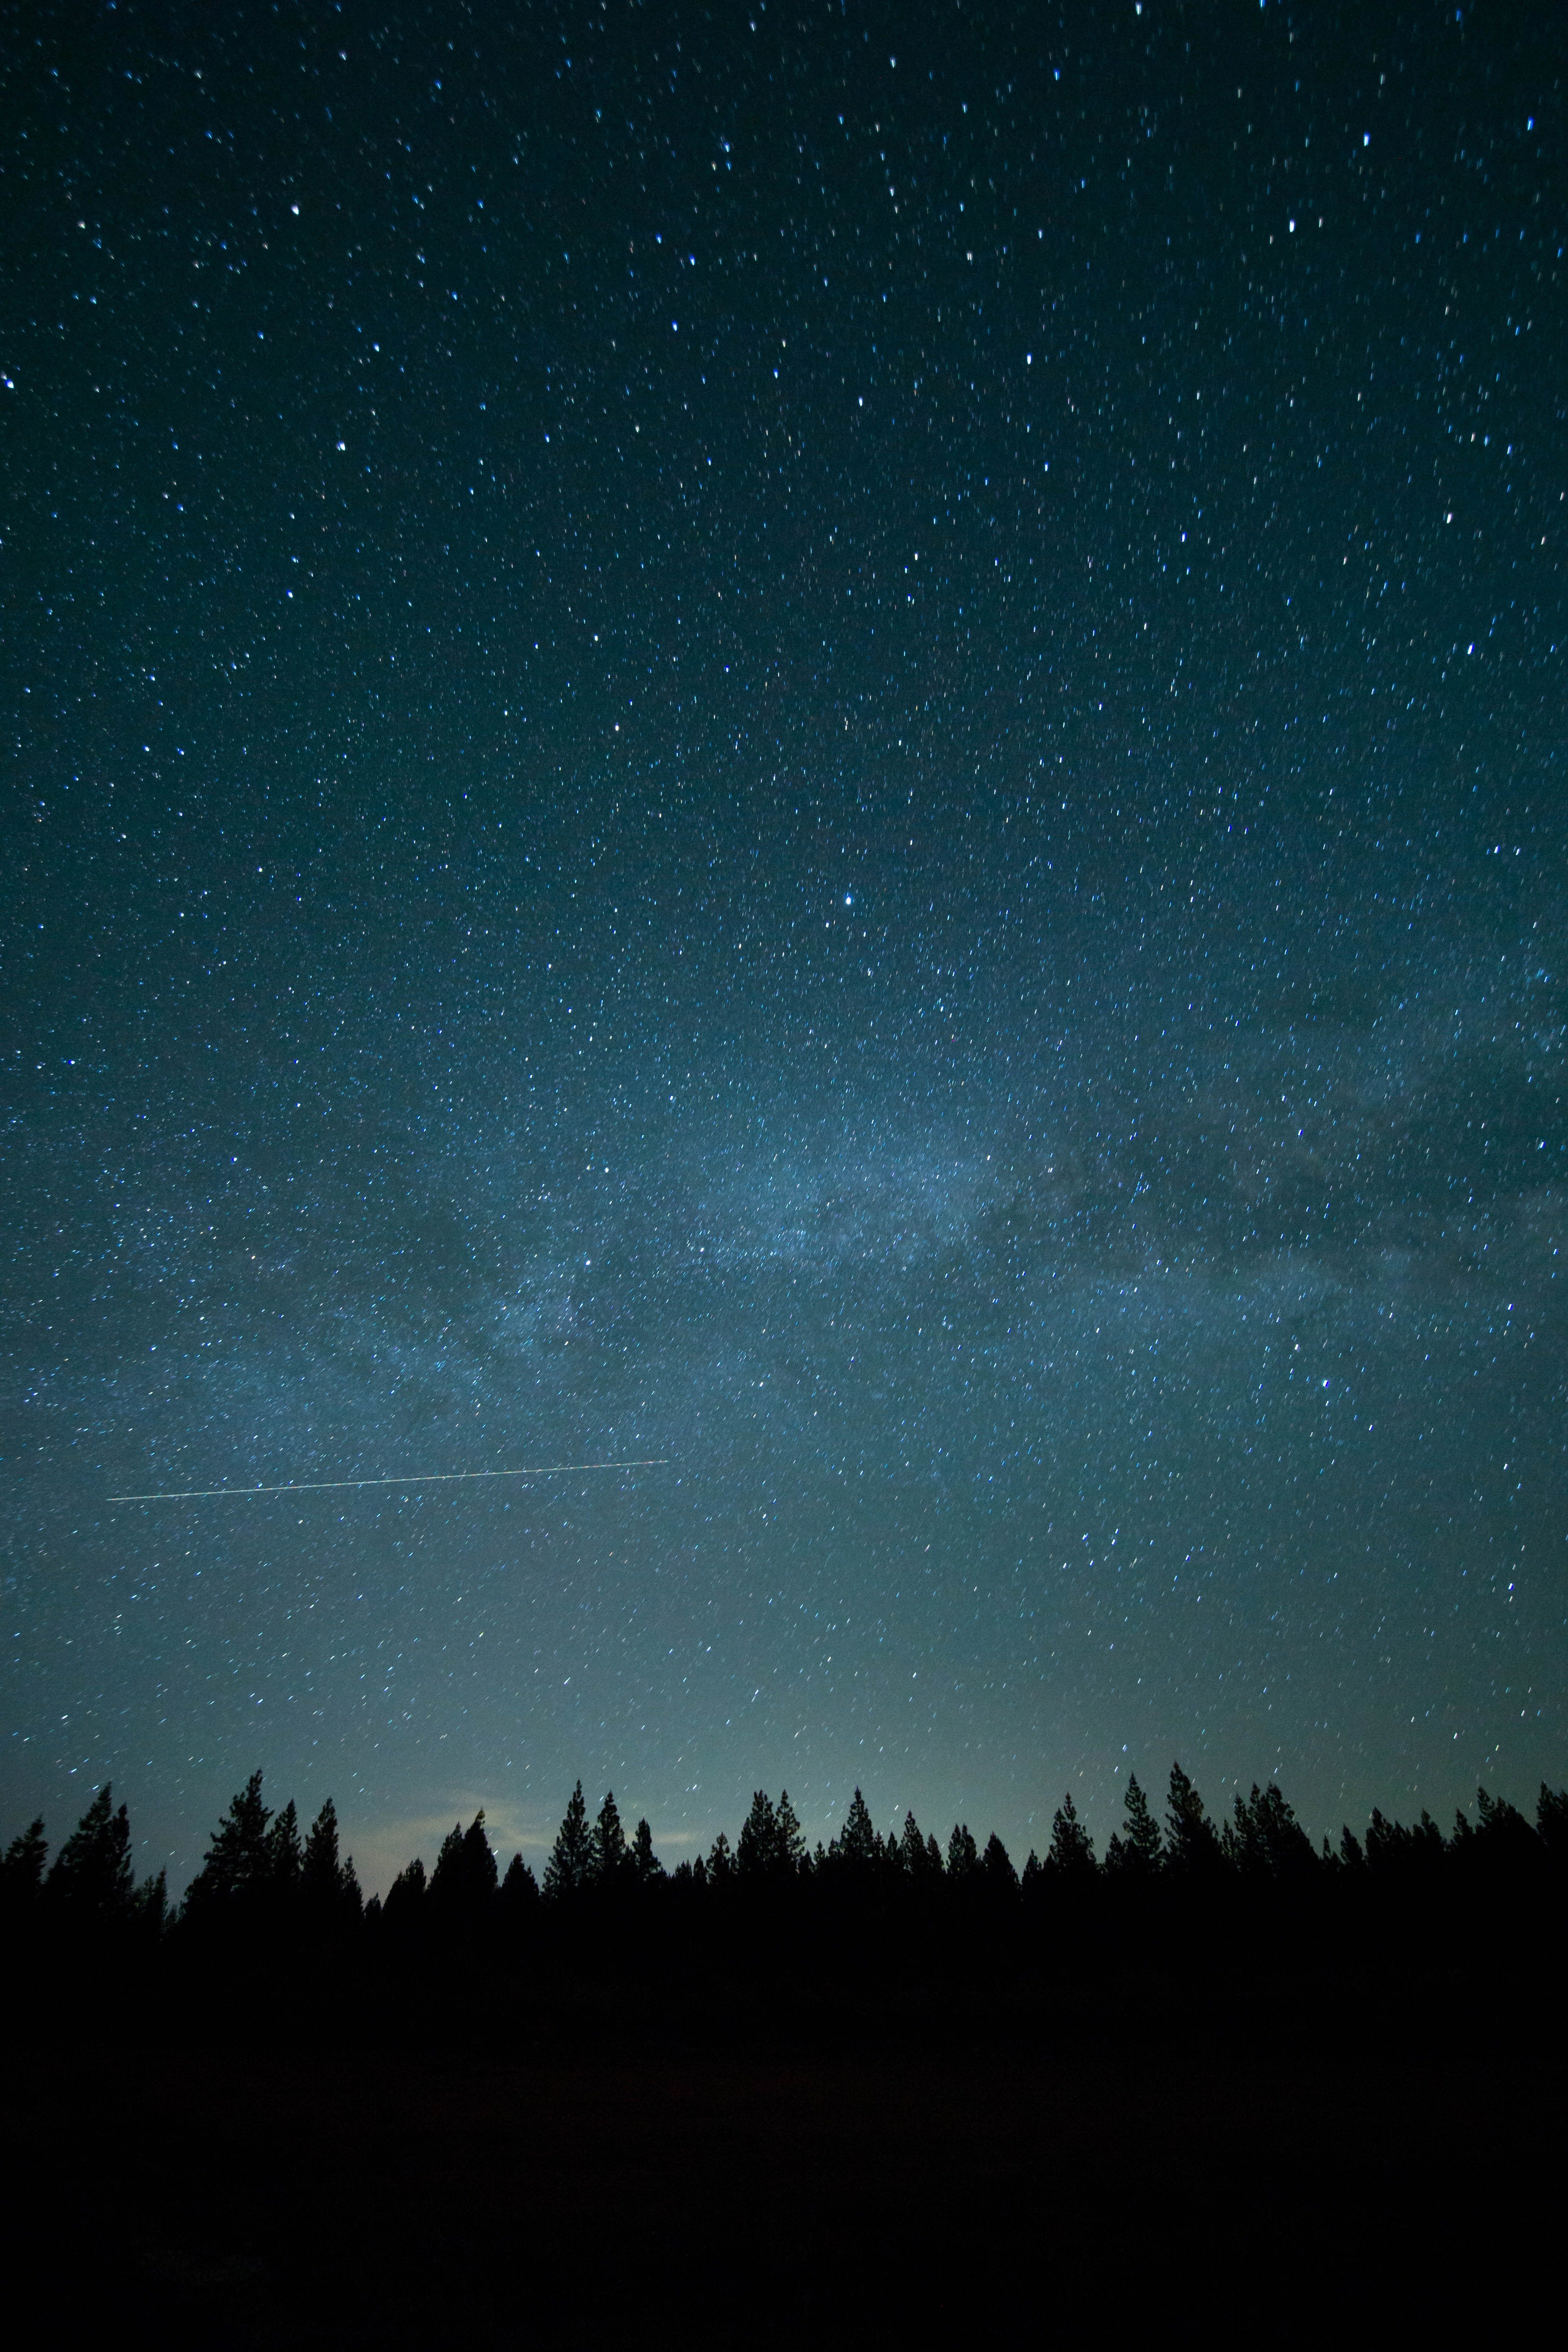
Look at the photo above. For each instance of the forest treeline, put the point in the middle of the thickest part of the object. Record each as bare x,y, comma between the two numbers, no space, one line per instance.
268,1884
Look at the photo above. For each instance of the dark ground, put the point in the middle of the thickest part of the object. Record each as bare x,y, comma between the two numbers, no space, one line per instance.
1164,2163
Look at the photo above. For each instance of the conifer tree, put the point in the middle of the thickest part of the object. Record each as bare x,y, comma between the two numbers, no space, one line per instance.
149,1904
856,1844
1135,1851
645,1864
996,1863
1071,1855
933,1855
1265,1840
92,1871
405,1903
447,1876
916,1855
963,1854
519,1891
321,1874
791,1844
1551,1822
609,1844
570,1859
284,1858
463,1882
1194,1841
479,1873
22,1869
235,1868
756,1848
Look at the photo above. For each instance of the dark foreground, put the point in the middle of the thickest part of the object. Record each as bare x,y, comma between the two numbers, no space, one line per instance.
1268,2163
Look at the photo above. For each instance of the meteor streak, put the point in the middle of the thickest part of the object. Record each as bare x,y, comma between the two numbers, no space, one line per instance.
429,1479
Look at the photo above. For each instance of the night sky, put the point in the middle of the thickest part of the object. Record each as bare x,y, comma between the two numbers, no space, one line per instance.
826,742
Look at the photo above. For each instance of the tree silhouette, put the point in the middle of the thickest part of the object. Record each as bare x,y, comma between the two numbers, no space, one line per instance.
22,1871
1195,1849
996,1863
1071,1855
916,1854
235,1868
855,1848
151,1903
721,1861
1265,1840
644,1862
788,1830
1551,1822
568,1870
92,1871
610,1859
404,1905
519,1892
463,1879
963,1854
1135,1851
284,1858
329,1886
757,1847
479,1877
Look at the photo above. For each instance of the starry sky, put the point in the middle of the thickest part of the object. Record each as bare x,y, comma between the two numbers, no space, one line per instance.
823,744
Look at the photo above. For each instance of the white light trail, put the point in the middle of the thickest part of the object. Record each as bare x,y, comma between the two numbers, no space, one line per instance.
428,1479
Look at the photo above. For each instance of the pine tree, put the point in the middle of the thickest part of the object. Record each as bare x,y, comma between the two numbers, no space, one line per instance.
22,1870
1551,1822
963,1854
479,1874
92,1871
756,1848
404,1905
235,1868
721,1861
1266,1840
609,1844
446,1878
933,1855
570,1864
915,1851
1071,1855
791,1844
1136,1851
284,1859
519,1892
321,1874
996,1863
645,1864
1194,1841
463,1883
856,1844
149,1904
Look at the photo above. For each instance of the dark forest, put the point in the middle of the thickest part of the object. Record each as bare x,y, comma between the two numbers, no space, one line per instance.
879,2083
1164,1891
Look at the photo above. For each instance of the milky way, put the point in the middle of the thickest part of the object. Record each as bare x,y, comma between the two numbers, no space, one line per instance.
826,747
